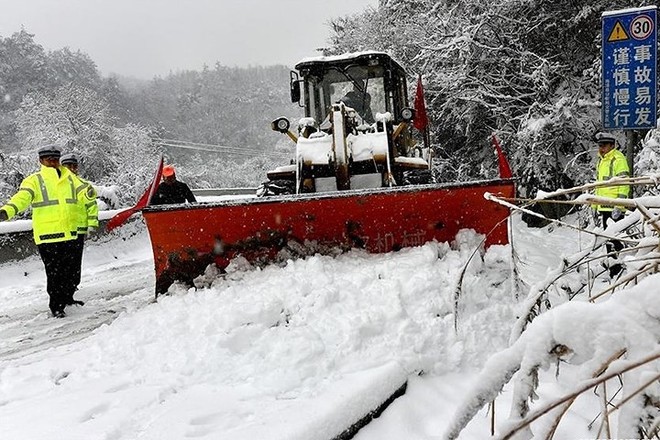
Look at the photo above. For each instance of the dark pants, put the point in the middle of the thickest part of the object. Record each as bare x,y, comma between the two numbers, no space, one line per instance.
605,217
613,246
60,262
80,245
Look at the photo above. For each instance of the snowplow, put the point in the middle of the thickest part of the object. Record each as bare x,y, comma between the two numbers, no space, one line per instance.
357,180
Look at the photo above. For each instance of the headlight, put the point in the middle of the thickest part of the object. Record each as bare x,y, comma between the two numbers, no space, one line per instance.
407,114
280,124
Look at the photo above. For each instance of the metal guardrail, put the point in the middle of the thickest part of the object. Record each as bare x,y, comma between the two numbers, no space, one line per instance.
224,191
18,245
16,242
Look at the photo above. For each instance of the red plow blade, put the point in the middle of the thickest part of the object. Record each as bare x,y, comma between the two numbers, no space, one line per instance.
187,238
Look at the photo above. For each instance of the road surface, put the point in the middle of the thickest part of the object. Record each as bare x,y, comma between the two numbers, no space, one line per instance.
117,276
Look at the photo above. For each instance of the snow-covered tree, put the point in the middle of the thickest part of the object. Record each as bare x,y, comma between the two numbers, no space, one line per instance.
26,67
78,119
133,158
23,67
216,106
648,160
72,116
66,66
525,69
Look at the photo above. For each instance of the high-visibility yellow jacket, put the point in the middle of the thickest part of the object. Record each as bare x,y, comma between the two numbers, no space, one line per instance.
612,164
54,199
88,209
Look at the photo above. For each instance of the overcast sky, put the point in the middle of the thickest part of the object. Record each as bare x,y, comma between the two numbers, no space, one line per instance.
144,38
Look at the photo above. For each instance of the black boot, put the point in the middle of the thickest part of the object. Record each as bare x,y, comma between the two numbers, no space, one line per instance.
615,270
73,302
58,313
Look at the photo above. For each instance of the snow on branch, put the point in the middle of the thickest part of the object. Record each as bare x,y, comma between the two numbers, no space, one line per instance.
580,316
581,334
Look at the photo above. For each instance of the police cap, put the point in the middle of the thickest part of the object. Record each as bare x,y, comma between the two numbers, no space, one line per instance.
605,138
51,150
69,159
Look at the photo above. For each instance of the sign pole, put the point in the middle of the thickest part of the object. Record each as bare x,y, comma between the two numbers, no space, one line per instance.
631,141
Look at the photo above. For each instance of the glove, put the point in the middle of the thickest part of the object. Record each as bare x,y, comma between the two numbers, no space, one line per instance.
3,216
617,214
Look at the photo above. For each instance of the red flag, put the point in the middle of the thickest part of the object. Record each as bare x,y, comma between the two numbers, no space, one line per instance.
505,169
121,217
421,119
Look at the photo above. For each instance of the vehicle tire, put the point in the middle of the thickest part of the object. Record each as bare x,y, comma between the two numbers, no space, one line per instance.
276,188
417,177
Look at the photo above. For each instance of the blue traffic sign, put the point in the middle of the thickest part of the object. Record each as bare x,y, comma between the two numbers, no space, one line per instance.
629,65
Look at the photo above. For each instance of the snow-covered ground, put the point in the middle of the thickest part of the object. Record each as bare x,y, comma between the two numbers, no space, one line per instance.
299,351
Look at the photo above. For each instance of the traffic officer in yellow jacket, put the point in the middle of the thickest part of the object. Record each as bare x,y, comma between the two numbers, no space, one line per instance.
53,193
88,216
611,163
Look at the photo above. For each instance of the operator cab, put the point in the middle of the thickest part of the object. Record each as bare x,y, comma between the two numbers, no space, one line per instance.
368,82
356,130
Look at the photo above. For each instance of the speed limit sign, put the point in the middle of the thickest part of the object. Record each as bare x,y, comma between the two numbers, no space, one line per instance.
641,27
629,69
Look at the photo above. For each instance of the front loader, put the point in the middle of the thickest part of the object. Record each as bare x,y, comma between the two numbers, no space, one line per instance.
356,180
356,129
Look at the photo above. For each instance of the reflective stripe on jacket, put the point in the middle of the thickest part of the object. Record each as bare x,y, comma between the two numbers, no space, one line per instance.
88,209
54,201
612,164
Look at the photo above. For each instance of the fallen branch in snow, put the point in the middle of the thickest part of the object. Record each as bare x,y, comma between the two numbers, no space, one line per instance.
538,294
649,216
552,326
615,181
585,387
654,430
503,202
624,280
627,399
600,370
537,297
459,284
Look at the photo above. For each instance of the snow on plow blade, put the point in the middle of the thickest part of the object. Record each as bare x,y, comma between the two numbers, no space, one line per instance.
187,238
